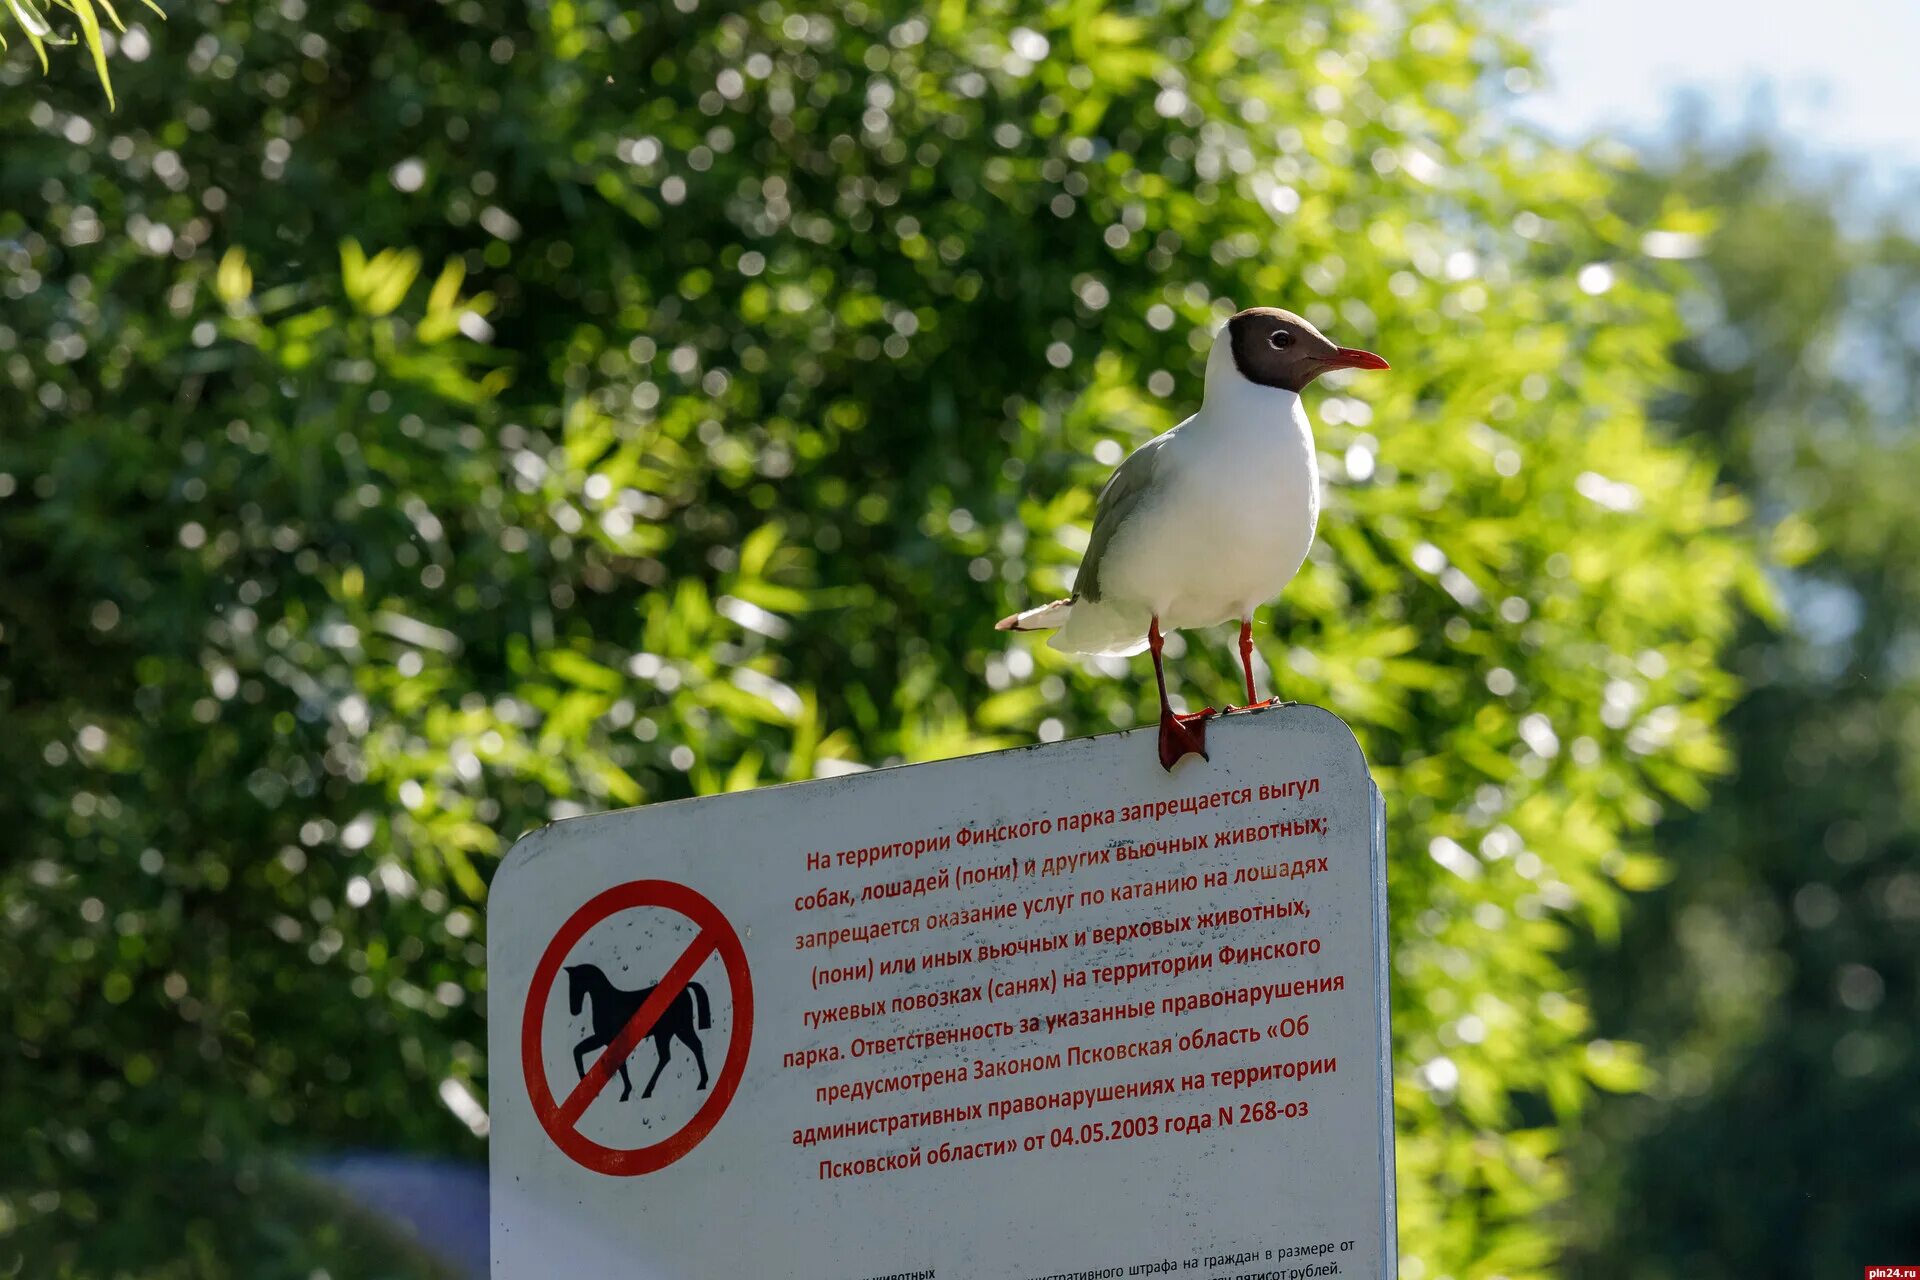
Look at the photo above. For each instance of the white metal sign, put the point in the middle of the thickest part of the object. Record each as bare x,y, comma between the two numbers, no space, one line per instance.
1041,1014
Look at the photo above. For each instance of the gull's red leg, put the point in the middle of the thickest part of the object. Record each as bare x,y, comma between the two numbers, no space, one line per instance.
1246,655
1246,665
1179,734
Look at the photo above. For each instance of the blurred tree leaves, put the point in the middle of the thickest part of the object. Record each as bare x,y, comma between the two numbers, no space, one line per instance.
1780,972
696,387
40,23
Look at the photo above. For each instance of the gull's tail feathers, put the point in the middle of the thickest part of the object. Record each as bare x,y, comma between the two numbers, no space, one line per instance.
1083,626
1043,618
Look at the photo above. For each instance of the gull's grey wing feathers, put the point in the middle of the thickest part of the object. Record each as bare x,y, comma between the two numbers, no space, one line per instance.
1130,484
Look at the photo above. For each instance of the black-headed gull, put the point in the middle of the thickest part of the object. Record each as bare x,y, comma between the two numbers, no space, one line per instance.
1206,523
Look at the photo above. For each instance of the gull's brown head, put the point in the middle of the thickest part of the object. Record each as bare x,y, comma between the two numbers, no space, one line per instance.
1276,348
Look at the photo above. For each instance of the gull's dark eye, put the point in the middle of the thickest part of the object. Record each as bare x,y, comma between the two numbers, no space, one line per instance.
1280,339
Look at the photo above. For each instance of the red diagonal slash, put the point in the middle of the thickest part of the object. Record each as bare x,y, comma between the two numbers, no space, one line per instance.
638,1027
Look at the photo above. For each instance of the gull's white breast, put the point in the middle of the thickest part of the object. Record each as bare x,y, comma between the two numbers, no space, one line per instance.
1231,525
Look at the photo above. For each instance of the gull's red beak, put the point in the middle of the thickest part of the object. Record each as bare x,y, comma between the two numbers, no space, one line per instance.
1354,358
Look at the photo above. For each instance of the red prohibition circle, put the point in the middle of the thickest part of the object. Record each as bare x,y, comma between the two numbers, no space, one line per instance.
561,1118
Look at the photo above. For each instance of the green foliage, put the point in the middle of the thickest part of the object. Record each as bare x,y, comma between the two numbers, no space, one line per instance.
801,342
1778,971
35,20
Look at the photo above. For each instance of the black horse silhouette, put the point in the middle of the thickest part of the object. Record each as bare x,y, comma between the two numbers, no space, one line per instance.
614,1008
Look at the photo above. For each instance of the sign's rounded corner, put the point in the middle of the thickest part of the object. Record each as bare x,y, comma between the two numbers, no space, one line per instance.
1330,725
529,846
